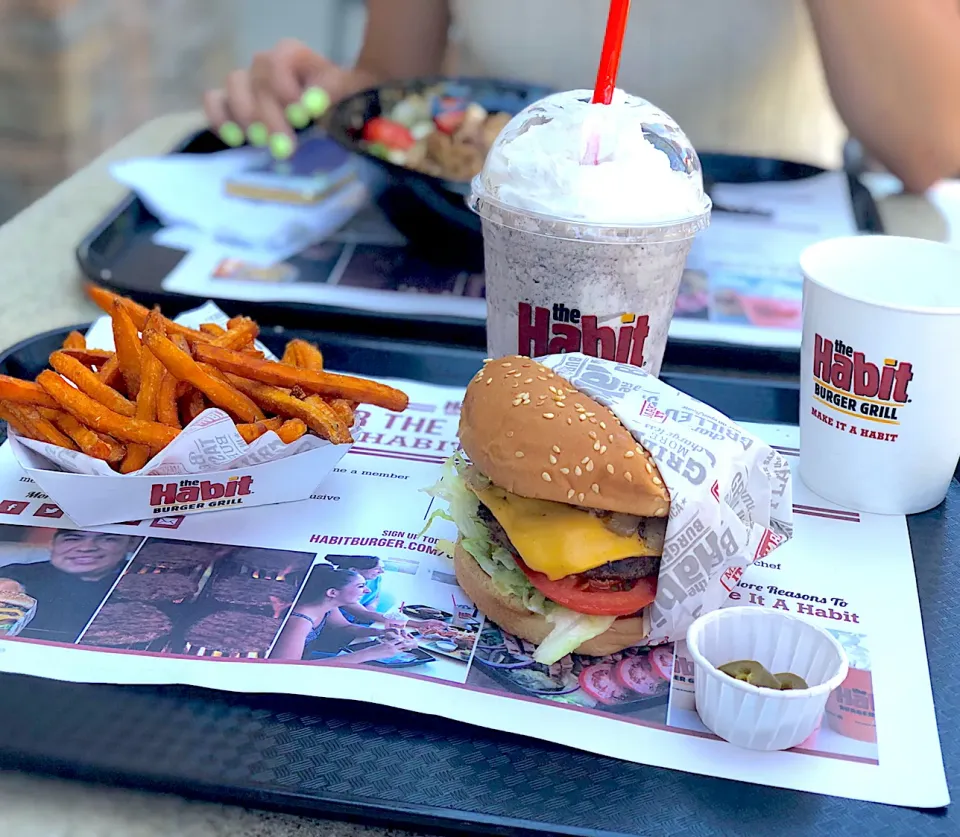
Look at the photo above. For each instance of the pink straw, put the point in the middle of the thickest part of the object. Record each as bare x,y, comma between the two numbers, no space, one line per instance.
607,72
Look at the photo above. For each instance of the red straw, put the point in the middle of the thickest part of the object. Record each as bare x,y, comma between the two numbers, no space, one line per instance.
612,50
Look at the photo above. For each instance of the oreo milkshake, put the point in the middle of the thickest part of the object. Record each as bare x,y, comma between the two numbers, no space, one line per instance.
587,256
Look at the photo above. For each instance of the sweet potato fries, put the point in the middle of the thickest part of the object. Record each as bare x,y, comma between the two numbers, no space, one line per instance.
125,406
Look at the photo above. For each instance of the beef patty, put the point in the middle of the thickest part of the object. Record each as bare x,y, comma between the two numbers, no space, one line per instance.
626,569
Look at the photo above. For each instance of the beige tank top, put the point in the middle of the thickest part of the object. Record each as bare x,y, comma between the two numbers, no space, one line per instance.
740,76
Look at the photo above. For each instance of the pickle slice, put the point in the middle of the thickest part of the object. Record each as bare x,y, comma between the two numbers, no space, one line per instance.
790,681
752,672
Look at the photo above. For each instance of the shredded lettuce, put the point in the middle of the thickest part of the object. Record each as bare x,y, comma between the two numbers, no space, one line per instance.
462,506
570,628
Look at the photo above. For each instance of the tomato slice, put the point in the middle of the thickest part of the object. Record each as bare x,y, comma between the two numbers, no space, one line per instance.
389,133
449,122
636,673
661,658
599,682
595,598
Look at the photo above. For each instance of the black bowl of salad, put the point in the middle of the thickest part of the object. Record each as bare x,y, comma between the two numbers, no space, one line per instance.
430,137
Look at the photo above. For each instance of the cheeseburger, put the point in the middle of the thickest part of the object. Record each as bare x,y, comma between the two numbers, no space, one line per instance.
561,514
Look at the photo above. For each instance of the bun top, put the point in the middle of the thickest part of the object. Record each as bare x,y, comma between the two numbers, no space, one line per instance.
534,434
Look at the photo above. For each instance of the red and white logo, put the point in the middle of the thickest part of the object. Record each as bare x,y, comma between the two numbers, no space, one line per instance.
731,578
846,380
546,331
649,411
196,491
768,542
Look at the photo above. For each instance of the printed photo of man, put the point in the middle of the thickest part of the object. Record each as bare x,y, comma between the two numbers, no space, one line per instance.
69,586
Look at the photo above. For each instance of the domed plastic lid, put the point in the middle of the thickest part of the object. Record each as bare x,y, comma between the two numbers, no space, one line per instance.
647,174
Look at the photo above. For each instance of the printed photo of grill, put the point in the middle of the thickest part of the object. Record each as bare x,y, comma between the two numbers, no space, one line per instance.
156,587
200,600
162,555
132,626
270,564
231,633
253,592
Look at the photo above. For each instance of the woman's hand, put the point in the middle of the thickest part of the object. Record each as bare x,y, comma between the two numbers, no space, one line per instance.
389,646
285,89
398,642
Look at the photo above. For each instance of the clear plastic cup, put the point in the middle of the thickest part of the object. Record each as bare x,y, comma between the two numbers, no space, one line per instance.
397,618
583,257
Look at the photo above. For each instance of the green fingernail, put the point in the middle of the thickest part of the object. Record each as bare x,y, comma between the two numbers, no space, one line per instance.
258,134
281,146
297,115
231,134
316,100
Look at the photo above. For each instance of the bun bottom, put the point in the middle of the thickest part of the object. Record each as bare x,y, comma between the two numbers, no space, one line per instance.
515,619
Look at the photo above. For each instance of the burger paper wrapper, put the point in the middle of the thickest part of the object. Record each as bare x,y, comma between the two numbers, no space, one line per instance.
730,493
209,447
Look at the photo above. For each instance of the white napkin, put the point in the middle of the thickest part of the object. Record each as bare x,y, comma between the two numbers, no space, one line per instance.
188,190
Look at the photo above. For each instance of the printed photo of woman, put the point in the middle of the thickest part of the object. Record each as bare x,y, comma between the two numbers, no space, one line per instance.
374,602
317,629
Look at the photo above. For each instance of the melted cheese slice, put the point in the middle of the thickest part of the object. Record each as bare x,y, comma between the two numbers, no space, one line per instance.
556,539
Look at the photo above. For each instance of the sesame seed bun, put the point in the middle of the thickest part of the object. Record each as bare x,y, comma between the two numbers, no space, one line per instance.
508,613
532,433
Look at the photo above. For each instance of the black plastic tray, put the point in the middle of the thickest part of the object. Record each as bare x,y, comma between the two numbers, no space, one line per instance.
357,761
119,254
431,211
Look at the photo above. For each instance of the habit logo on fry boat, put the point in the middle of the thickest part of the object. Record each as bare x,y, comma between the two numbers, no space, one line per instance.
546,331
199,494
848,383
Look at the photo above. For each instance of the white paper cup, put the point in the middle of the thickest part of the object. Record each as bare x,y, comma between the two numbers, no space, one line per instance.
880,372
748,716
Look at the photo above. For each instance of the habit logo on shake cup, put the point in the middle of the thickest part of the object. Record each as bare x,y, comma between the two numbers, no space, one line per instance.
557,330
587,257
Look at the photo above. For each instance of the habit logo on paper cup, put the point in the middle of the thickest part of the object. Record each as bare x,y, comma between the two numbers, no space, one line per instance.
847,383
199,494
562,330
